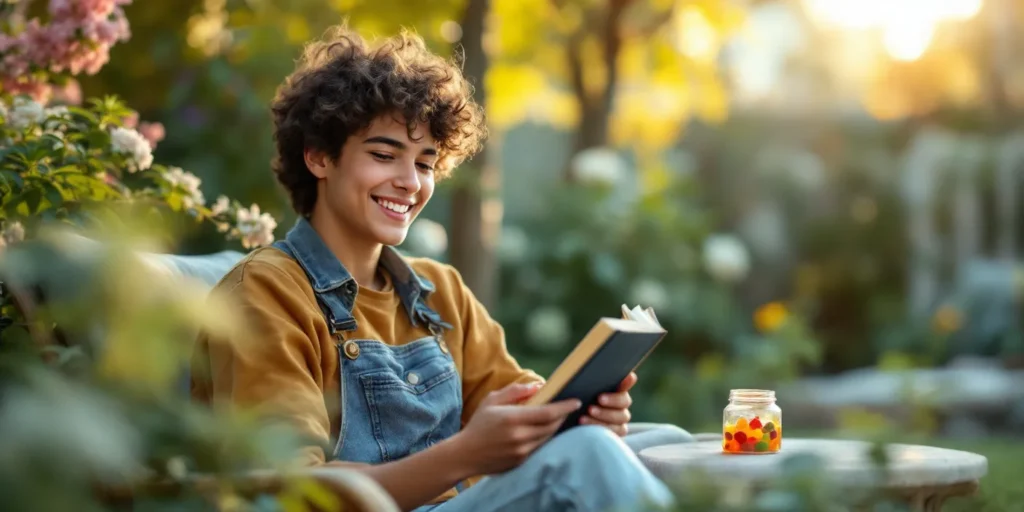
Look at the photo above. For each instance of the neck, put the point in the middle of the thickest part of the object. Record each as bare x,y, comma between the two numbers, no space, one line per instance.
359,258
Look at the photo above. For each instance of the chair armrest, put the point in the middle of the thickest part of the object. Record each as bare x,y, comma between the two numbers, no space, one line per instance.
355,489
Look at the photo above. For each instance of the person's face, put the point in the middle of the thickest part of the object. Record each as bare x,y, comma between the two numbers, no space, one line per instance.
380,183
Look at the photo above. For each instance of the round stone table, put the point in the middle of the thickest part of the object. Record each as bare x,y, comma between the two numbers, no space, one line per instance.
922,475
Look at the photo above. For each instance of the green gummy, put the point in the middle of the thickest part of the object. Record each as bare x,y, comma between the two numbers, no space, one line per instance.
768,427
761,446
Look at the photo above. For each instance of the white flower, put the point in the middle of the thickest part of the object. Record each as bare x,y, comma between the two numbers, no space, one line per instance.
52,115
513,245
14,233
428,238
221,206
24,113
255,228
649,293
130,142
547,327
599,166
726,258
58,111
188,182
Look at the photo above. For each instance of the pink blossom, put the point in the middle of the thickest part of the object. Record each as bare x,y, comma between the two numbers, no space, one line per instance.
131,120
77,40
7,42
38,91
82,8
69,94
153,132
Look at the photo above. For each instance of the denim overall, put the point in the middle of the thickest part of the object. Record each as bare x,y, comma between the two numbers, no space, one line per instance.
395,400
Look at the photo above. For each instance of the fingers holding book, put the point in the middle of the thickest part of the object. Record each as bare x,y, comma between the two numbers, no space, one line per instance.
502,433
612,409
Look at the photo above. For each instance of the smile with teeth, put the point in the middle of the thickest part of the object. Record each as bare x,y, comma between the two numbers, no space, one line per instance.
395,207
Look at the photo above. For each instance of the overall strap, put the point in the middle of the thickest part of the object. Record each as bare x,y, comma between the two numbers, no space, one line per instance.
336,309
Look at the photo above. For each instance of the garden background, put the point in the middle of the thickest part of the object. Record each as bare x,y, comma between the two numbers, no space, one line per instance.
816,196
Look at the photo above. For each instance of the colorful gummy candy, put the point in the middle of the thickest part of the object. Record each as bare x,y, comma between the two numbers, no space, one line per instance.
754,436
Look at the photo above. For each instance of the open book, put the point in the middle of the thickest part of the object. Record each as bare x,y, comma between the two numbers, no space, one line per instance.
612,349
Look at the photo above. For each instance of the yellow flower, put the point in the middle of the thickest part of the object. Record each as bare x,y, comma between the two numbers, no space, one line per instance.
770,317
947,320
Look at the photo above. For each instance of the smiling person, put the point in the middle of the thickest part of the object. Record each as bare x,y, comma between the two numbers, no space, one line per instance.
390,364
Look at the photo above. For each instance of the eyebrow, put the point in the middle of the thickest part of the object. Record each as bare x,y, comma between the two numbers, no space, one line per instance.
397,144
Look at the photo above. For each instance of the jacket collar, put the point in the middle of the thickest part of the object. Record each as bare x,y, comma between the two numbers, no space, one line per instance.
331,280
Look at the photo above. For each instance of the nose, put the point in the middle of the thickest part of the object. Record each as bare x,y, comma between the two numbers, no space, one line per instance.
408,178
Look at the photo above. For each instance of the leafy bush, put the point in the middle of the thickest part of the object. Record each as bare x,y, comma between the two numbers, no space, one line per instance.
74,164
605,242
102,404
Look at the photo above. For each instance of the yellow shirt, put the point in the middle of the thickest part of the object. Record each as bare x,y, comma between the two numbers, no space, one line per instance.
287,363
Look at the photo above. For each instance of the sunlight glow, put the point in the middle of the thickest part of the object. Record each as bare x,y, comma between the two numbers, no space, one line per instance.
907,25
909,42
695,37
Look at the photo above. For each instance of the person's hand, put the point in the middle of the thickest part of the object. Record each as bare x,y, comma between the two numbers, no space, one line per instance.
501,434
612,409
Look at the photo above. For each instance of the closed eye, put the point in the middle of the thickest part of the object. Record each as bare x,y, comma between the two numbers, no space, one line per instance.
382,156
425,167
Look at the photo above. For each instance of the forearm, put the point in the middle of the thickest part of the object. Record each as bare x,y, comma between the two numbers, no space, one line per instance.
415,480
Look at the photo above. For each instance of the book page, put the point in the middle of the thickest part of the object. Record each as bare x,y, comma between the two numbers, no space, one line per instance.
638,314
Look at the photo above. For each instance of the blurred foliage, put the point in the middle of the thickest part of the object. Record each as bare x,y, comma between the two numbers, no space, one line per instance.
823,206
102,405
208,69
602,244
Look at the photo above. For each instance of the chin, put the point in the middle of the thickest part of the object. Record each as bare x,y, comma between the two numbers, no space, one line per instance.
393,239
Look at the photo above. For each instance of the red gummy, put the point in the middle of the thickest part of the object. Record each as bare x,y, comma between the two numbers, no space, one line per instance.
772,435
748,447
740,437
755,423
728,436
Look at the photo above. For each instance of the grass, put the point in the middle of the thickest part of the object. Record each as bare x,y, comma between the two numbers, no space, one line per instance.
1001,488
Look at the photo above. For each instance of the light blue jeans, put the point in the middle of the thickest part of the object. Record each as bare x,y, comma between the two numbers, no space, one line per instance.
587,468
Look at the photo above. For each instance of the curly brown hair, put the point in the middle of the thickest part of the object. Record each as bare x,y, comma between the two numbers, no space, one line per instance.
341,84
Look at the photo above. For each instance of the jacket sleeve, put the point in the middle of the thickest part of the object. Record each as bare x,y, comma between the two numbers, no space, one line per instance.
487,364
273,365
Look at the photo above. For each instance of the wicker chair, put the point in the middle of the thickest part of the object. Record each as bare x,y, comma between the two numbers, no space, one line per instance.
353,490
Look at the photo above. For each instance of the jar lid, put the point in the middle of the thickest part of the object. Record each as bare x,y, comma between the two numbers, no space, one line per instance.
752,395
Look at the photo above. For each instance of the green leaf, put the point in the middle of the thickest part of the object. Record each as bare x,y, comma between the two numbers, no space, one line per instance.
54,195
17,159
84,114
30,200
174,201
51,141
97,139
12,178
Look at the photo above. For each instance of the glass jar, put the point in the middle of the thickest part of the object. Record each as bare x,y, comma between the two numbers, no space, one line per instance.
752,422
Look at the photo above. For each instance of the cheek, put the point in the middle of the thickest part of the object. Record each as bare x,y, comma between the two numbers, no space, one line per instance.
427,188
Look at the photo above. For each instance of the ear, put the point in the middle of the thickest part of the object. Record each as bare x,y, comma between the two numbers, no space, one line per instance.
317,162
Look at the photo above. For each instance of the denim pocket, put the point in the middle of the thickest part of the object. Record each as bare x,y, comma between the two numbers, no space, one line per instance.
415,401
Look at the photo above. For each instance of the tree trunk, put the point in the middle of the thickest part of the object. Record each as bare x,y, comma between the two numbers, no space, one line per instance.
595,112
476,201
